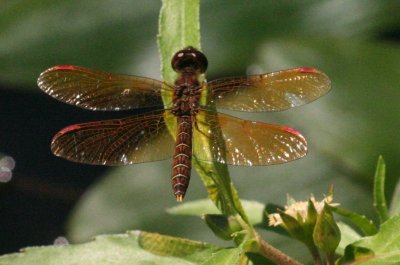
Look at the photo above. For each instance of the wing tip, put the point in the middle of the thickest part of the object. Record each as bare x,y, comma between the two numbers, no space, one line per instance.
41,79
326,79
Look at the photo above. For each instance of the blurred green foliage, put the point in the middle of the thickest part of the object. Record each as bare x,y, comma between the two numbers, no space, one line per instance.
346,130
140,247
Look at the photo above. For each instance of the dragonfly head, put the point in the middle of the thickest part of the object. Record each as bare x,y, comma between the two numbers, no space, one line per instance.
189,58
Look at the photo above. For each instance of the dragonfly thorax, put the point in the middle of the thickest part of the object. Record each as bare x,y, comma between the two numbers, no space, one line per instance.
186,97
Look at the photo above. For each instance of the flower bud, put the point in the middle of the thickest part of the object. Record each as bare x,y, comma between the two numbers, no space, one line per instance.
301,219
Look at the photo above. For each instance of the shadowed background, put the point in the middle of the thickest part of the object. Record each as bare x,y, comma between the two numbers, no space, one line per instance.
355,42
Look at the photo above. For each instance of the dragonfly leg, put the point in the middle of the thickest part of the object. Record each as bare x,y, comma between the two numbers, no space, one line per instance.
196,126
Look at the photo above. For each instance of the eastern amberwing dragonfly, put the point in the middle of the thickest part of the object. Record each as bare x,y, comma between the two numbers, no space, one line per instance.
146,137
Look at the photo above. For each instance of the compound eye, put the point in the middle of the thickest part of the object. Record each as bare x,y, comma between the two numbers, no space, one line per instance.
189,57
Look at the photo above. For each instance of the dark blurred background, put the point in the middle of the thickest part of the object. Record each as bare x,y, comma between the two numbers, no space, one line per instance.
355,42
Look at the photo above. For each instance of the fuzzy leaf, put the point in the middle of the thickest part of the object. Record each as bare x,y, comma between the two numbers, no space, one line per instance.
229,256
382,248
140,247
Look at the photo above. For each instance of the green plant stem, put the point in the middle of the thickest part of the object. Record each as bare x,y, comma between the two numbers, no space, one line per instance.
275,255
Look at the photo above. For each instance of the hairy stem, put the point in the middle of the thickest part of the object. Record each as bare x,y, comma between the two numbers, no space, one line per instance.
276,255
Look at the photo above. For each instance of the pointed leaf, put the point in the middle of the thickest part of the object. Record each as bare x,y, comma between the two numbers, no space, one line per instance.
309,224
292,226
312,214
379,190
326,232
361,221
382,248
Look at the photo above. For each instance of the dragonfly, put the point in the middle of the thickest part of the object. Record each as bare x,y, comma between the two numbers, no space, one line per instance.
148,137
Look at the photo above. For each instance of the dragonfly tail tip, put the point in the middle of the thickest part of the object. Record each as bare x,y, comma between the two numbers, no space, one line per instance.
179,198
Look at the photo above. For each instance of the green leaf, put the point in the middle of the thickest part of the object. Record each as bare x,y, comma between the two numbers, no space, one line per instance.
379,190
254,210
177,247
312,213
326,232
357,254
140,247
395,203
361,221
312,216
179,27
348,236
380,249
223,226
195,208
293,227
229,256
257,259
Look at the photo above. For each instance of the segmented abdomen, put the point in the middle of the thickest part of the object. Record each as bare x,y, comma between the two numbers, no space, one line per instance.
182,159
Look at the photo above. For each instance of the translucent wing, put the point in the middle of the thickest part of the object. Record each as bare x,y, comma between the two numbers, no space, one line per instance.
96,90
246,143
135,139
270,92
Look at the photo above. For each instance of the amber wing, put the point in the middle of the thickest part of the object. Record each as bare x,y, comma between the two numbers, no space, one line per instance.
269,92
246,143
97,90
135,139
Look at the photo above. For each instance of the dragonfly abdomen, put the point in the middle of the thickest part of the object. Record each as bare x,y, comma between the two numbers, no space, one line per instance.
182,159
